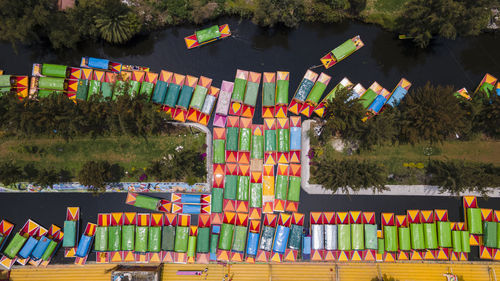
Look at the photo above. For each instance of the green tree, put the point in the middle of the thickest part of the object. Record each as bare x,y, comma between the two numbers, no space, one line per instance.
430,113
343,117
10,173
459,177
423,19
348,174
97,174
271,12
184,165
116,23
47,178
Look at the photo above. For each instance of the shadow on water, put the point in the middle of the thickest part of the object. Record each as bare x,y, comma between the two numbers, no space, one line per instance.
391,53
482,54
266,38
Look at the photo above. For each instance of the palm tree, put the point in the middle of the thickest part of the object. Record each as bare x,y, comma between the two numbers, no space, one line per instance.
116,25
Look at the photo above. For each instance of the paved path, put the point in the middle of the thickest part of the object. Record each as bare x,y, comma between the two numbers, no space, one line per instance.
421,271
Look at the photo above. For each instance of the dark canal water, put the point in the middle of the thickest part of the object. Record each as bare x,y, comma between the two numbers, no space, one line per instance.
384,58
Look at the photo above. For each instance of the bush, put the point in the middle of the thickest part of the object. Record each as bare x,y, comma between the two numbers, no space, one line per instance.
458,177
348,174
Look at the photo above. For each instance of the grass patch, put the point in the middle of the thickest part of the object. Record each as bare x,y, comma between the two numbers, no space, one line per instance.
383,12
130,152
406,162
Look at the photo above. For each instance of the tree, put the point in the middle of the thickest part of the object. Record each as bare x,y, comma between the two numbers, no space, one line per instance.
430,113
9,173
459,177
343,117
423,19
348,174
116,24
271,12
184,165
97,174
47,178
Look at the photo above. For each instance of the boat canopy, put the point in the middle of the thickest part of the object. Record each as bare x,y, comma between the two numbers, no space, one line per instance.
208,34
342,51
98,63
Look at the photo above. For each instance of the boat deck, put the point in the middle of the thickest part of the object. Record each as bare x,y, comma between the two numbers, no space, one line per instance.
296,271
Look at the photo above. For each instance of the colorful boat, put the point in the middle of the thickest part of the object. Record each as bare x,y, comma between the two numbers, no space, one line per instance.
283,140
253,241
24,254
203,239
282,85
268,94
370,94
161,87
71,229
182,238
268,189
11,83
123,84
281,237
270,141
47,246
463,93
357,91
226,236
302,92
281,187
240,84
243,188
342,51
222,109
198,99
173,92
25,236
5,231
55,70
315,95
256,166
321,107
128,237
239,238
85,244
82,91
251,94
148,84
104,64
207,35
141,237
181,108
192,241
295,139
208,106
168,238
46,86
266,238
318,236
293,194
115,237
154,238
101,238
394,98
487,85
146,202
294,245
